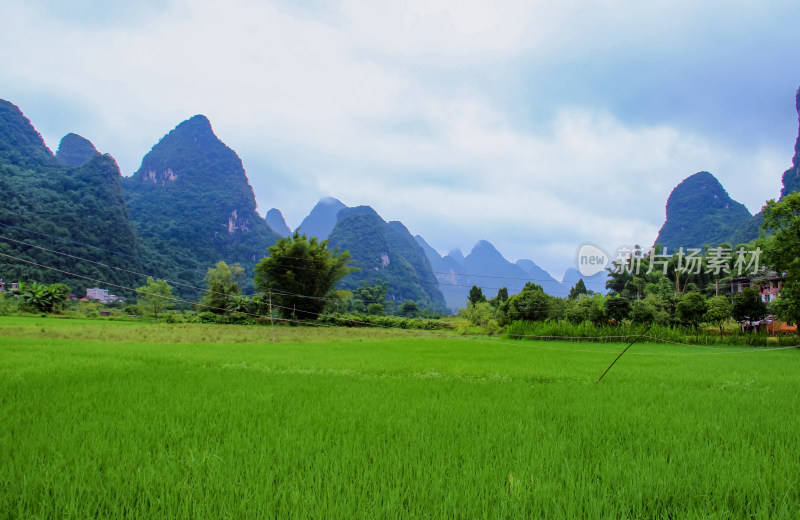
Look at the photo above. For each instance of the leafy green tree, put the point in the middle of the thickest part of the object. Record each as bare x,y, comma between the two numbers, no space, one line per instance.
371,293
748,306
223,287
155,297
409,309
376,309
476,295
36,296
691,309
300,273
718,312
782,252
481,314
531,304
650,310
617,308
60,293
577,290
502,295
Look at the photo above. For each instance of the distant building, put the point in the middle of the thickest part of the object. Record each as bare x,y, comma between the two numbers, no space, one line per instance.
768,286
4,287
97,294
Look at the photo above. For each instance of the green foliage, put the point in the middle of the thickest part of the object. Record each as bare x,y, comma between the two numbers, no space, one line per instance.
223,288
76,210
502,295
35,296
8,304
360,320
376,309
782,252
408,309
719,311
531,304
691,308
366,295
481,314
577,290
651,309
748,306
617,308
476,295
585,308
155,297
300,273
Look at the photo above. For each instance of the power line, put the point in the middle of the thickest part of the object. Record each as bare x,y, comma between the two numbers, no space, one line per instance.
206,246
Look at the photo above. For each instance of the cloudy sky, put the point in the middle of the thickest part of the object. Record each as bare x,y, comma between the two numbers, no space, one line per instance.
535,125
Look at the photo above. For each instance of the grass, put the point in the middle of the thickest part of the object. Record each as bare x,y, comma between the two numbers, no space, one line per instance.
113,419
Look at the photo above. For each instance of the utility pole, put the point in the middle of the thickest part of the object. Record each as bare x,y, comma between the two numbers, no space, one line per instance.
271,320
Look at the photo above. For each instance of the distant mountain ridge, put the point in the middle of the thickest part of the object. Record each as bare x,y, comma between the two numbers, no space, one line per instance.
75,150
385,252
486,268
322,219
275,221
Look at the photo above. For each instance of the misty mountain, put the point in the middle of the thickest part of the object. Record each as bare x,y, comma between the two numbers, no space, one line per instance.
541,277
596,283
275,221
322,219
486,268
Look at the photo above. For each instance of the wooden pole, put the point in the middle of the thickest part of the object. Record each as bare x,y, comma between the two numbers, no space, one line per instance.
271,320
626,349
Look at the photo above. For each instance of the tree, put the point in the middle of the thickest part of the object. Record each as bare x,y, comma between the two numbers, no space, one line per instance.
370,294
782,252
502,295
617,308
531,304
223,286
300,273
748,306
577,290
155,297
476,295
691,308
408,309
37,296
718,312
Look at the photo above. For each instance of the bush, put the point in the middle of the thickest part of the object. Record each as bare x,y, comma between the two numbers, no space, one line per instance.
206,317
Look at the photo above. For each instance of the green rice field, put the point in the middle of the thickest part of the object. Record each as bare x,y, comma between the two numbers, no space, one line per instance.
104,419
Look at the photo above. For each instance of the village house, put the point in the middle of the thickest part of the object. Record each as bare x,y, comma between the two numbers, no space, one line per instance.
768,286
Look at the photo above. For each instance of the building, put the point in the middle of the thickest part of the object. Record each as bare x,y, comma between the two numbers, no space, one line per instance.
97,294
768,286
8,287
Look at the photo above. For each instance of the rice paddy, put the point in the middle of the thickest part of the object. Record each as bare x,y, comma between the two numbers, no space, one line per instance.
139,420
